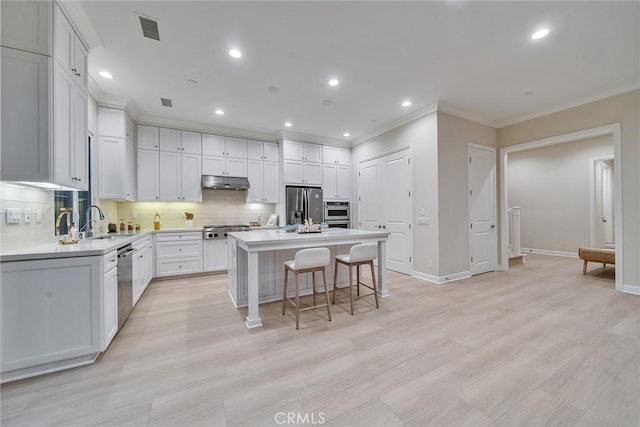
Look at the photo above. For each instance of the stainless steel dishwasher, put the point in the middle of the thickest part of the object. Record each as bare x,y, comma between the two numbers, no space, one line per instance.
125,282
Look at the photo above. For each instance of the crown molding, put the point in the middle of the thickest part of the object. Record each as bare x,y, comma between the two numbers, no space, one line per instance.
74,11
573,104
205,128
303,137
424,111
465,114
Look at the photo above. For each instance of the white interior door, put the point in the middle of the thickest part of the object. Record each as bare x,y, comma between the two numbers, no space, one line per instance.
396,210
607,201
482,209
368,184
384,186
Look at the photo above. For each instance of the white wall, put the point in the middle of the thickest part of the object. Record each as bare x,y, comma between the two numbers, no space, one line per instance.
454,136
421,136
551,185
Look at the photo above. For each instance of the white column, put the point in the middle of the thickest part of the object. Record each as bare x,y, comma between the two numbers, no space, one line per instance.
382,268
253,316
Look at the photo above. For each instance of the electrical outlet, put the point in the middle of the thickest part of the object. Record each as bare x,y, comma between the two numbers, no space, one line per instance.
27,216
429,264
423,220
134,215
13,215
38,216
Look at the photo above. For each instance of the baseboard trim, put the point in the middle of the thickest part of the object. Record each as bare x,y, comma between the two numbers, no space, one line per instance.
549,252
631,289
439,280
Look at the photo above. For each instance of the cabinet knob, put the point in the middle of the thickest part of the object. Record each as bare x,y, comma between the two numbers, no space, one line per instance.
75,71
157,197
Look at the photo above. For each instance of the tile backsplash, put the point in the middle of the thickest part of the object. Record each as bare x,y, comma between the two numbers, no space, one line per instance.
21,235
217,207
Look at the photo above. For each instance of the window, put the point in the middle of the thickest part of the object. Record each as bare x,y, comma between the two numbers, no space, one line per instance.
78,201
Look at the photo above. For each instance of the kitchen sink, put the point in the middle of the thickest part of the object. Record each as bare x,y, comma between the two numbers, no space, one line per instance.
109,237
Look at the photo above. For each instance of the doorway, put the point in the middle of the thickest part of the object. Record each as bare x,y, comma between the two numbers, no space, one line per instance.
602,203
482,209
614,130
384,186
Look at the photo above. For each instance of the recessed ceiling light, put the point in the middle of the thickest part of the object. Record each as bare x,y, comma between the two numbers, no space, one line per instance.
540,34
219,112
105,74
346,135
334,82
406,103
288,124
235,53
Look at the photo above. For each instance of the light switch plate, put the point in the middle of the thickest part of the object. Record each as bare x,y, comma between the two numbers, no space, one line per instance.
27,216
38,215
13,215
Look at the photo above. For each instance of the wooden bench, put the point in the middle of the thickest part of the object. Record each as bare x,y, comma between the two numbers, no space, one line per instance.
603,256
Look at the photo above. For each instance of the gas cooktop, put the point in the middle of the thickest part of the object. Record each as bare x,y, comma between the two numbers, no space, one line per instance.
220,231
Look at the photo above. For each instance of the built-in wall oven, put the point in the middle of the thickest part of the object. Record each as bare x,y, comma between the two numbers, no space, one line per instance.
337,214
337,211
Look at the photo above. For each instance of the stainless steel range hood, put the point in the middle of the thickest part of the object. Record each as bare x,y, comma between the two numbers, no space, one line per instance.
216,182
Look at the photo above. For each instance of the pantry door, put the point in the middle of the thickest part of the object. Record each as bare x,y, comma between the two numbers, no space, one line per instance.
384,188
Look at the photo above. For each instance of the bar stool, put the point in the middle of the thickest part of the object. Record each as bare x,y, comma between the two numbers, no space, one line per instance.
358,255
307,261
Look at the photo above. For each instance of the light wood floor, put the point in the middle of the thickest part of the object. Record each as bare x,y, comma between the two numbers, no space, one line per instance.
538,345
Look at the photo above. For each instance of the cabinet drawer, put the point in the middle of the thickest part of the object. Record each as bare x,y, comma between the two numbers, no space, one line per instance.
141,243
179,249
173,237
176,267
110,261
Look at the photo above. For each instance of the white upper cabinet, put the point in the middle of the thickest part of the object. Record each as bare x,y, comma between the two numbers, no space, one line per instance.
27,26
293,150
191,142
336,155
116,174
170,140
257,150
148,137
180,177
148,175
263,180
224,156
213,145
236,147
68,50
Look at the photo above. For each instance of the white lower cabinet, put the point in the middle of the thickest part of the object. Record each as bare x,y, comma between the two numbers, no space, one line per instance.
271,274
215,255
142,270
178,253
60,326
109,299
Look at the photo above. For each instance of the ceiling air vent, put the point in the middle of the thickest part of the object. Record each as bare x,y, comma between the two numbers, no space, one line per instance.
149,28
166,102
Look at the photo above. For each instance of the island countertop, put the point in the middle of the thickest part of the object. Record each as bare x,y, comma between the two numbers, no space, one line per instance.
279,239
247,267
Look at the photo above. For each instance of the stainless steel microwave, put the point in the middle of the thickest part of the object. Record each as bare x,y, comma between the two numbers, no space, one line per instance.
336,211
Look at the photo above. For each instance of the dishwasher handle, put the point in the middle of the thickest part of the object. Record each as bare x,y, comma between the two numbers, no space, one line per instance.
127,253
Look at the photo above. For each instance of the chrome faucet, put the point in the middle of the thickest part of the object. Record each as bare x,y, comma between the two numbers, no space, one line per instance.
88,226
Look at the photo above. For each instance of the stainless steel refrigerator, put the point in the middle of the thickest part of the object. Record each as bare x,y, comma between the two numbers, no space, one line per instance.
304,203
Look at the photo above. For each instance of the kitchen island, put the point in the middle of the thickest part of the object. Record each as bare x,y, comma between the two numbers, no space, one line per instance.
256,257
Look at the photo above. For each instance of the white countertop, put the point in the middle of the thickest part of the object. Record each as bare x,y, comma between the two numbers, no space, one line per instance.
86,247
257,238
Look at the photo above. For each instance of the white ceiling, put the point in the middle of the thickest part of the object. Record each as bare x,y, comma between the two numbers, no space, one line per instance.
475,56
